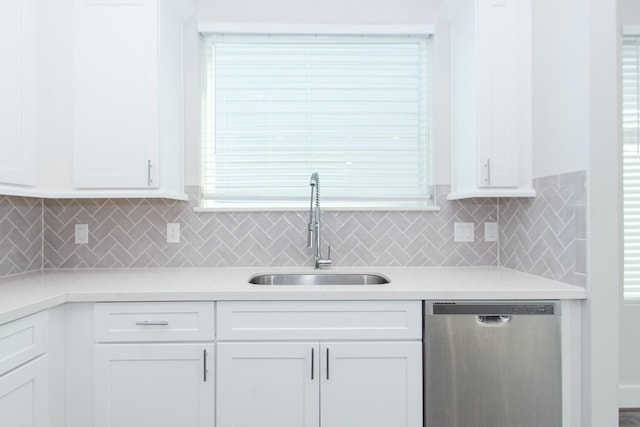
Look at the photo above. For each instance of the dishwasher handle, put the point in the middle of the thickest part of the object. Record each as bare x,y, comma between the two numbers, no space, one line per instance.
493,320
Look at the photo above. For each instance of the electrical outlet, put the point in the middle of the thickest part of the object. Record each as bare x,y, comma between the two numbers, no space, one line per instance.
173,232
463,232
82,234
490,231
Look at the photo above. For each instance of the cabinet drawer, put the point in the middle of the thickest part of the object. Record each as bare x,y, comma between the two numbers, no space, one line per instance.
23,340
319,320
154,321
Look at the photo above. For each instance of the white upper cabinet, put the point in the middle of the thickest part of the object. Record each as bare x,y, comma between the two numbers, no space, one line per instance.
491,75
127,95
18,30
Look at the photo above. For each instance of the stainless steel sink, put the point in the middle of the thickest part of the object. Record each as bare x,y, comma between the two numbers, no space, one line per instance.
318,279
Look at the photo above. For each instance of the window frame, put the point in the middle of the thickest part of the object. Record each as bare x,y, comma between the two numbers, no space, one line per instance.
426,31
629,295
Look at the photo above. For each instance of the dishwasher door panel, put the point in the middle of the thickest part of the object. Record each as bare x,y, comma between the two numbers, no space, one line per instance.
491,371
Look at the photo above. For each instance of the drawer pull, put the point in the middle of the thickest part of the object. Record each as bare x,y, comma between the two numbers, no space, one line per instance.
153,323
312,361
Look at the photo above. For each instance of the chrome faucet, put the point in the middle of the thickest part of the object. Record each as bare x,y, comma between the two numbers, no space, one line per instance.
313,239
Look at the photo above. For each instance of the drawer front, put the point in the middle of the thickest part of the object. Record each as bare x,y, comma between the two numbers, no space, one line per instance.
23,340
319,320
154,321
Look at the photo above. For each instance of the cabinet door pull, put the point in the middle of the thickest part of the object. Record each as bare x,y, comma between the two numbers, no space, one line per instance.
204,365
152,323
312,361
149,180
488,166
327,362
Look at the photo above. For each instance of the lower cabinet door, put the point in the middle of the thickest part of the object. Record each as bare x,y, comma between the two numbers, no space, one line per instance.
154,385
373,384
24,395
268,385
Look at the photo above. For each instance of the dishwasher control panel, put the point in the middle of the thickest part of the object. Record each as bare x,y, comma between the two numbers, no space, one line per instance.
494,309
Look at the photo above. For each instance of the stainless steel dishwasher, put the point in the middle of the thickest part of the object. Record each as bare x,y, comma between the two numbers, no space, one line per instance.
492,364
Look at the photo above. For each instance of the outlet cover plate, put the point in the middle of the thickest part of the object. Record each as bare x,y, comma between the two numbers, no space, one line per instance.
173,232
463,232
490,231
82,234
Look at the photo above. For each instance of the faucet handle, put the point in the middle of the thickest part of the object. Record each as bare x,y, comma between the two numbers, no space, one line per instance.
324,262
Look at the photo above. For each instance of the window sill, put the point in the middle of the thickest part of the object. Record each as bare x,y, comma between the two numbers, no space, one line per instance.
324,209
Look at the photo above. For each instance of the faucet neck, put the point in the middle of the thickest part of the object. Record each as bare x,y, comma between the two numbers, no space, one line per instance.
315,224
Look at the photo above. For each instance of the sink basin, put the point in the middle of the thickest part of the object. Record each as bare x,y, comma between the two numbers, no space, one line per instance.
318,279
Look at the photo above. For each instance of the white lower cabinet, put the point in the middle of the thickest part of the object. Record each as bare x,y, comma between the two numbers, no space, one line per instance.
24,395
154,364
356,381
310,384
267,384
24,372
373,384
154,385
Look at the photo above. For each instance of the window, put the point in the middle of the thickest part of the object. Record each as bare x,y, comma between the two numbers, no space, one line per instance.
631,164
355,109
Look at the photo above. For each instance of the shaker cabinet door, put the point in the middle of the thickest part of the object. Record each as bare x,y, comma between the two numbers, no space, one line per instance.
24,395
18,37
154,385
267,384
115,94
373,384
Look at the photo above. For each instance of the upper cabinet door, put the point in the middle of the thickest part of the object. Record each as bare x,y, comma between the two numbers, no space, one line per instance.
115,94
491,96
504,81
18,92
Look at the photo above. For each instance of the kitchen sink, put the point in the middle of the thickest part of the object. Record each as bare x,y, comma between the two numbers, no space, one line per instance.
319,279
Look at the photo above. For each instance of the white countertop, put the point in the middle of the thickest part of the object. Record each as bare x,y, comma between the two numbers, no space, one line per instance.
28,293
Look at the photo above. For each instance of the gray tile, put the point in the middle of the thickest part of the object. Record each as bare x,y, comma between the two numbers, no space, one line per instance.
21,234
542,235
629,418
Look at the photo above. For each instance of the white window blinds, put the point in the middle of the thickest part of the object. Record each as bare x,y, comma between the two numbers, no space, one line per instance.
631,164
353,108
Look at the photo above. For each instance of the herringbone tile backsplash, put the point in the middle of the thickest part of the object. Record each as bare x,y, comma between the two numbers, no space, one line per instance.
545,236
132,233
20,235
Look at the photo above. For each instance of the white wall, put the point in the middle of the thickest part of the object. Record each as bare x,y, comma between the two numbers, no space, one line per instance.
317,11
601,310
575,128
560,87
629,14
